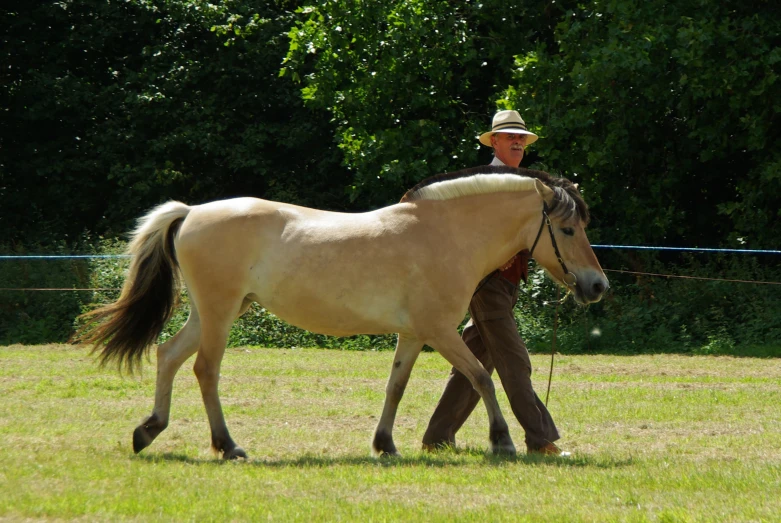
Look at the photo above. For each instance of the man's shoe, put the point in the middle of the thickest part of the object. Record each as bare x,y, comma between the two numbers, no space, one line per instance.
548,450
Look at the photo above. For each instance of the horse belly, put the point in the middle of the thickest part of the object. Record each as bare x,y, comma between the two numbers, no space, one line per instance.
338,312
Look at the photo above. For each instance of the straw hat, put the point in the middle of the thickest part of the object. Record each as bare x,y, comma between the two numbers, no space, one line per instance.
507,122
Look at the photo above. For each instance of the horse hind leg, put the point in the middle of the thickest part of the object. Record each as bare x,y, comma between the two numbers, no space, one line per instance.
214,338
170,357
407,351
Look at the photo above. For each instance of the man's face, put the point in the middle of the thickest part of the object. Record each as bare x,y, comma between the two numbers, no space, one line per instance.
508,147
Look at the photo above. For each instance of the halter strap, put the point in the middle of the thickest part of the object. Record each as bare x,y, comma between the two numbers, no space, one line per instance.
542,224
546,220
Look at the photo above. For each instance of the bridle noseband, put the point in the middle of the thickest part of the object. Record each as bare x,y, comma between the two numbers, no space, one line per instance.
569,278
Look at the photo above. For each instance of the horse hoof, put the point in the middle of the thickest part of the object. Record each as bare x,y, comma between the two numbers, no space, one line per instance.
383,446
504,447
146,433
235,453
504,450
385,453
141,439
501,442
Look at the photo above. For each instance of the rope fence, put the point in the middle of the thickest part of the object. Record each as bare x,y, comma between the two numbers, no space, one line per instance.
60,256
688,249
54,289
596,246
693,277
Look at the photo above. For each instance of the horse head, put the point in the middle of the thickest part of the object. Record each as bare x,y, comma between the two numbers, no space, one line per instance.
561,245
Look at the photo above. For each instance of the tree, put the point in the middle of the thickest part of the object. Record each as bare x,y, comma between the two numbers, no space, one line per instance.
410,84
116,106
668,114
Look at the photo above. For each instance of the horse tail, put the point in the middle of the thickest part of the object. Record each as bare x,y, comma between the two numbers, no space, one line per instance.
126,328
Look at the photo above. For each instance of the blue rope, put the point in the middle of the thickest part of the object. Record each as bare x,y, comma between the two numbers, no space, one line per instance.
61,256
692,249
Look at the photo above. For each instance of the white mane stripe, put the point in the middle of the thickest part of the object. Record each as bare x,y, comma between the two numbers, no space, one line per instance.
475,184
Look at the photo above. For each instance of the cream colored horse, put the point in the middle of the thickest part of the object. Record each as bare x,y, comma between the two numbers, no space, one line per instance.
409,268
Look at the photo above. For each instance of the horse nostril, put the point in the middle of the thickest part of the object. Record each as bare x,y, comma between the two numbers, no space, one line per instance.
598,288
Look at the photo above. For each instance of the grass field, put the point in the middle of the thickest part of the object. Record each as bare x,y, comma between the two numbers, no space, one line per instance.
654,438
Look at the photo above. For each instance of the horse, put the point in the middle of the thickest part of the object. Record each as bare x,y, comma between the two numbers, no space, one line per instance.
409,268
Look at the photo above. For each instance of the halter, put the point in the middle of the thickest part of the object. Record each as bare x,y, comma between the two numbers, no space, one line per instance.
569,278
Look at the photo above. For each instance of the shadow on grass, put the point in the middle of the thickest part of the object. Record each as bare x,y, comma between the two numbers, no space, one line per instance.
442,458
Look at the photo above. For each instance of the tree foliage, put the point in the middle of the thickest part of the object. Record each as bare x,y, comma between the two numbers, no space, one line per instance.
410,83
668,112
115,106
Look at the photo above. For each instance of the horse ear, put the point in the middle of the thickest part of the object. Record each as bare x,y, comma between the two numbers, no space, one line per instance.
546,192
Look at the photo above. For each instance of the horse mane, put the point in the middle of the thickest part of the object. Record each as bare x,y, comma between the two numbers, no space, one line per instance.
567,203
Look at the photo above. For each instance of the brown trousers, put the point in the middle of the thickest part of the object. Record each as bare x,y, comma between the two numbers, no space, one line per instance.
492,336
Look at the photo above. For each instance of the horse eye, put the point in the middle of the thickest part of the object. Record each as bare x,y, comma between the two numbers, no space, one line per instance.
569,231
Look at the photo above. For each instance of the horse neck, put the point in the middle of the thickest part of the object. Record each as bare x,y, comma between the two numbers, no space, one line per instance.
494,227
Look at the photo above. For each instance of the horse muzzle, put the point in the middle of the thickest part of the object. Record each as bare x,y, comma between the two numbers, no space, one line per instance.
588,287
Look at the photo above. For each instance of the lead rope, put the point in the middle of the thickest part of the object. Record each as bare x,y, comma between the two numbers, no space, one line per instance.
553,345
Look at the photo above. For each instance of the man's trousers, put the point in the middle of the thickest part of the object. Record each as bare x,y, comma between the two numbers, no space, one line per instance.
492,336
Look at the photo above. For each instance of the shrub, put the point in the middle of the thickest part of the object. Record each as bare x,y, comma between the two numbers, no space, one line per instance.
638,314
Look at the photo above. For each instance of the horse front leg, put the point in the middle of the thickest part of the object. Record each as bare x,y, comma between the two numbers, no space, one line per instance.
407,350
455,351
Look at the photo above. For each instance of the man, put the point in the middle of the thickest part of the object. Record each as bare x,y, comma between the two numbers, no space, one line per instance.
492,334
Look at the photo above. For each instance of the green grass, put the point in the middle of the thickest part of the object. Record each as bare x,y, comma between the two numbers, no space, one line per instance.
655,438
